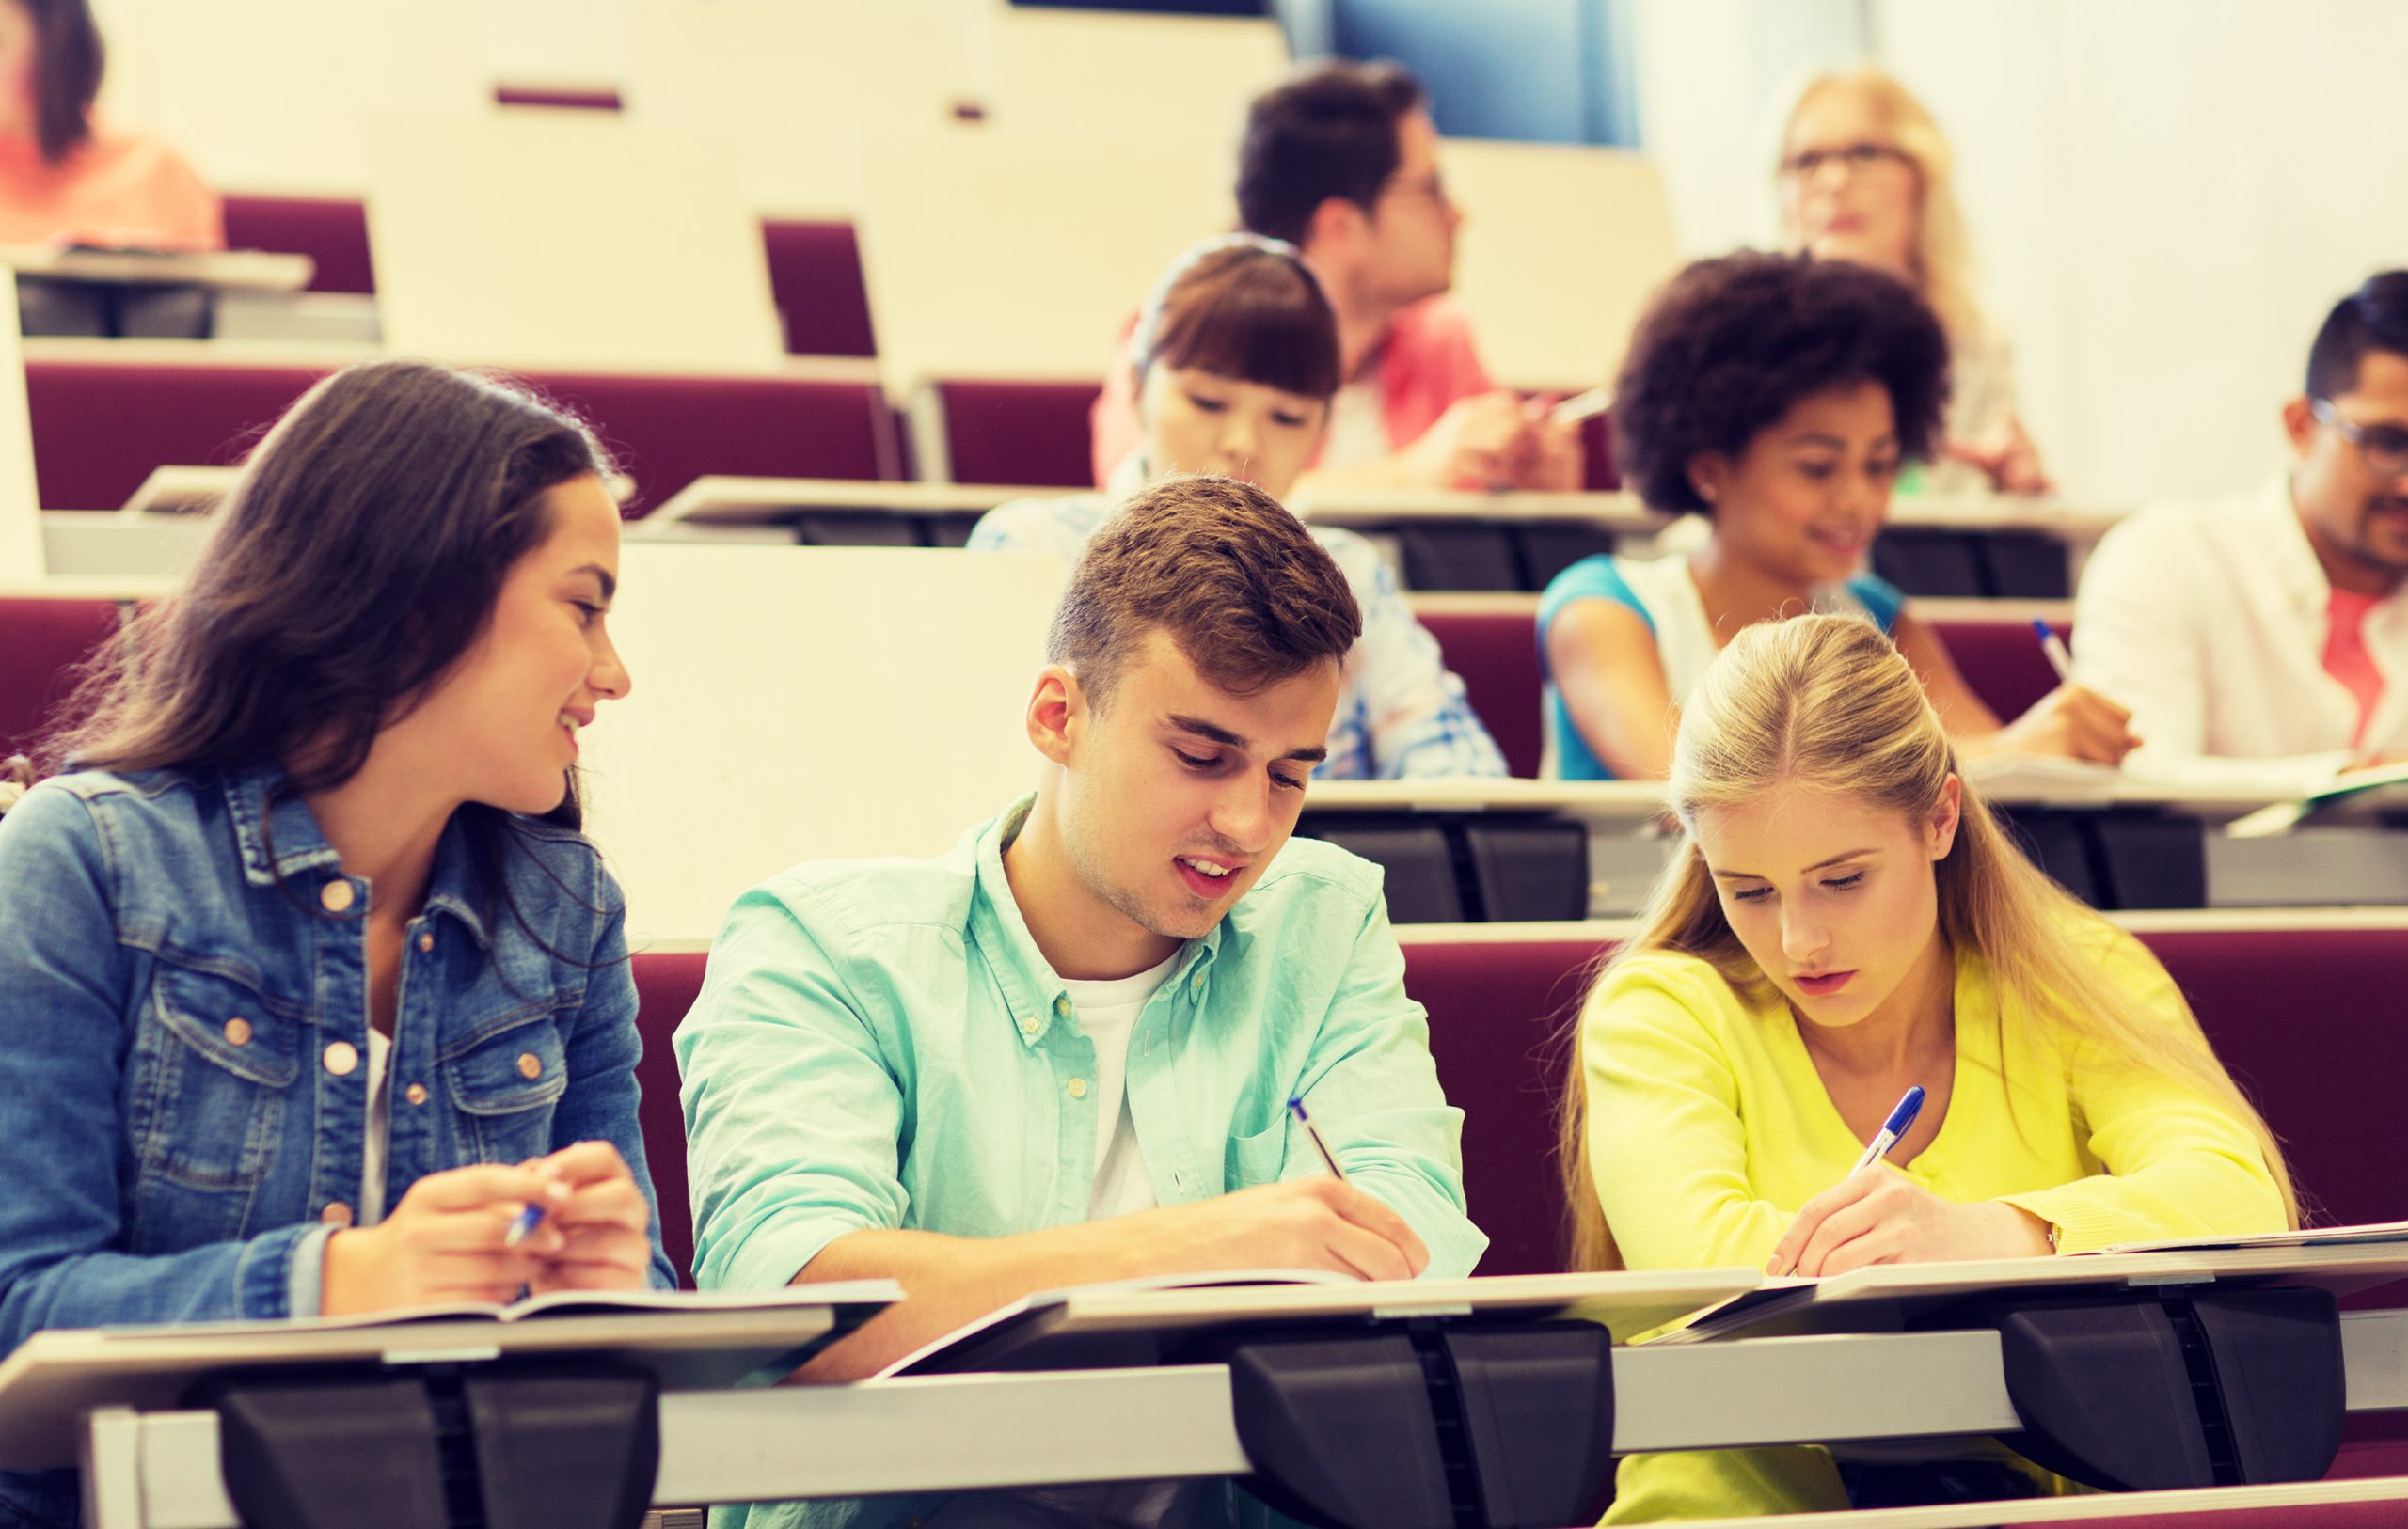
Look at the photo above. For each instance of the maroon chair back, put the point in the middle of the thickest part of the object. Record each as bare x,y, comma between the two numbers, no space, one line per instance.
42,641
1496,655
2002,662
1499,1017
815,280
1033,433
100,428
2304,1019
333,232
666,987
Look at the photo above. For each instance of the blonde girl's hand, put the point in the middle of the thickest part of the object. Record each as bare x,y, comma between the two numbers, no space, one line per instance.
1882,1217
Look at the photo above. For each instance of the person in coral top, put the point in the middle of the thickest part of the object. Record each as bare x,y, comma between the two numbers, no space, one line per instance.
66,178
1342,161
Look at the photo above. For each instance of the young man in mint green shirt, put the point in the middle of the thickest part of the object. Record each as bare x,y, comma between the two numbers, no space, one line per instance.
1063,1053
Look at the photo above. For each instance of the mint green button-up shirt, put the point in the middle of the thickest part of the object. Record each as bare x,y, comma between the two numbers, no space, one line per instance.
879,1044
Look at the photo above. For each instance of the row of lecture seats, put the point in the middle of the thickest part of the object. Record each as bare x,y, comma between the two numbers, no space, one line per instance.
1498,1019
100,427
1495,652
1498,1012
815,268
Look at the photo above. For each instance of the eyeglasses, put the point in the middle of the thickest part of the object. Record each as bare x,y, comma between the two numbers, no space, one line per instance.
2385,446
1857,158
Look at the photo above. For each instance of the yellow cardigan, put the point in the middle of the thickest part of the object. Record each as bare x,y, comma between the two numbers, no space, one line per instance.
1708,1128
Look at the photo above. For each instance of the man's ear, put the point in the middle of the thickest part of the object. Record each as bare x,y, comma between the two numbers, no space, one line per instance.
1336,228
1058,713
2299,423
1947,815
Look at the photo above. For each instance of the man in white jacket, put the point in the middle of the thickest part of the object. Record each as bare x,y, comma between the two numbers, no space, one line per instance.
2265,637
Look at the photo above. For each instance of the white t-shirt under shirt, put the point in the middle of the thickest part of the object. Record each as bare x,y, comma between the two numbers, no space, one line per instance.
1107,1014
380,1128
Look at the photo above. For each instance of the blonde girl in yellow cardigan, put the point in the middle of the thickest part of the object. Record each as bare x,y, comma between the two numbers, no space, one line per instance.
1844,918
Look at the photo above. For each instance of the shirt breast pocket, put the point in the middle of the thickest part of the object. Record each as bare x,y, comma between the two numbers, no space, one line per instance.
1256,1160
505,1086
213,1075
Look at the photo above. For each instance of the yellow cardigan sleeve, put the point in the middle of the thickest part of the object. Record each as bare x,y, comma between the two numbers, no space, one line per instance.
2175,1163
1667,1150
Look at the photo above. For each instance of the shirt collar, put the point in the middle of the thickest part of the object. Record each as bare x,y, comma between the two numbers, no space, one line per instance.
1035,995
279,837
1128,477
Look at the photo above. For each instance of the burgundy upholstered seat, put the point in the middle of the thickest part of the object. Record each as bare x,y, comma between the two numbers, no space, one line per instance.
1496,658
1019,432
41,640
666,987
815,280
100,428
332,231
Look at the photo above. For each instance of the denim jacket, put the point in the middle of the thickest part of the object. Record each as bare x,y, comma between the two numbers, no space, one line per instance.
183,1043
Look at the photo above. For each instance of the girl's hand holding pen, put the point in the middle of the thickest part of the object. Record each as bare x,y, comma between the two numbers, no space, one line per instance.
1881,1216
600,1222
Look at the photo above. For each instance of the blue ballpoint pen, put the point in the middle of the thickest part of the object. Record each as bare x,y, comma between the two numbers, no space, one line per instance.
1901,1121
2055,646
1296,1108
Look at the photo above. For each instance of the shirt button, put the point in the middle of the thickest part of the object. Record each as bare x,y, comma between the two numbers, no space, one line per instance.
1062,1007
1028,1027
336,1214
416,1093
336,896
530,1065
1078,1088
425,942
341,1059
238,1032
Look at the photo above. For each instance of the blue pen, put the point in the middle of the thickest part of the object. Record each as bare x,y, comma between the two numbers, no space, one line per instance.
1296,1106
2055,646
527,1221
1901,1121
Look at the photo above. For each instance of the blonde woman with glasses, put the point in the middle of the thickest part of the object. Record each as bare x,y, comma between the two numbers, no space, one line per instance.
1842,918
1865,175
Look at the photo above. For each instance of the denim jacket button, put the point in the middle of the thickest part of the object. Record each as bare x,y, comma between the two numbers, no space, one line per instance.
238,1032
336,1214
341,1059
416,1093
336,896
425,942
530,1065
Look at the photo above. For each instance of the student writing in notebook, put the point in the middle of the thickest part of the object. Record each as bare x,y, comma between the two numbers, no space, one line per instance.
309,984
1777,397
1236,358
1844,918
1341,161
2265,637
1062,1052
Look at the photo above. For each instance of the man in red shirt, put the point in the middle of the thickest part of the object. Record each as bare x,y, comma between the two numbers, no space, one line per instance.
1342,161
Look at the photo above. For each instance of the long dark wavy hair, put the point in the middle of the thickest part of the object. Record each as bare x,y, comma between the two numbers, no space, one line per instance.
357,558
67,58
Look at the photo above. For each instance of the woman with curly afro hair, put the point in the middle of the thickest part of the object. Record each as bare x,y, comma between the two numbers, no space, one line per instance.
1777,396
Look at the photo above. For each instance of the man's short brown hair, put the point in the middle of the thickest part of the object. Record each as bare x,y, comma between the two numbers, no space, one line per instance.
1241,586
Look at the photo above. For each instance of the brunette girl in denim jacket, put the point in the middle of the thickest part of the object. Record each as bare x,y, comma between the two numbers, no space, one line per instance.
309,984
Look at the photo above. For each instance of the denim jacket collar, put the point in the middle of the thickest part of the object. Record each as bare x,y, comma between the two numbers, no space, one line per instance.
279,838
1034,997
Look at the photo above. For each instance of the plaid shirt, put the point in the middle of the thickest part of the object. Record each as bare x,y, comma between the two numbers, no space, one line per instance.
1401,712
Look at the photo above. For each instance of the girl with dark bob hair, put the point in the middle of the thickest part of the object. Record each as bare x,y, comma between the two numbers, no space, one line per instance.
1235,362
1777,396
309,984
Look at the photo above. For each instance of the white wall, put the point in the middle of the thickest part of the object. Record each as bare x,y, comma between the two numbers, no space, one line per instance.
2167,195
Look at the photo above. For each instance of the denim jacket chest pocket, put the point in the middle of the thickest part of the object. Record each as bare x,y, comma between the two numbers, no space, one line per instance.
214,1065
504,1080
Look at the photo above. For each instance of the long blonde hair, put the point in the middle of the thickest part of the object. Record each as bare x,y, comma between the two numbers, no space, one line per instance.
1943,251
1827,703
